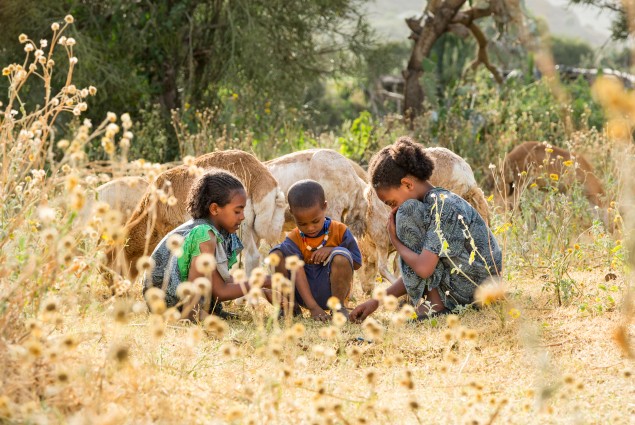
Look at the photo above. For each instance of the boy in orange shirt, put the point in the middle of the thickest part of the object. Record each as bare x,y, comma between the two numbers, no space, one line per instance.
326,246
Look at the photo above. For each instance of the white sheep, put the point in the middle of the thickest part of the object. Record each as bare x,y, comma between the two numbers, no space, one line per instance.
122,194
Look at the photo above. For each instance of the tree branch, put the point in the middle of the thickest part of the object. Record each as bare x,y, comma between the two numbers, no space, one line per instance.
481,55
466,17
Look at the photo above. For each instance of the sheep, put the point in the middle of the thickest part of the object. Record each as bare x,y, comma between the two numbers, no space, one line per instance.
122,194
352,201
151,220
535,161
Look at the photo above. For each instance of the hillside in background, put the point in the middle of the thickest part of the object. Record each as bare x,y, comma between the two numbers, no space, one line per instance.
585,23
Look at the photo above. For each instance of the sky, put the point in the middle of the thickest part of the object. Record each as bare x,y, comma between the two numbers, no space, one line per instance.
584,22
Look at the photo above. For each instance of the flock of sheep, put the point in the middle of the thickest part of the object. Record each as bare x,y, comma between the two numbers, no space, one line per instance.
350,198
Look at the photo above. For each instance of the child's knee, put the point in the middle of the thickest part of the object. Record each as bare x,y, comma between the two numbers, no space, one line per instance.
341,264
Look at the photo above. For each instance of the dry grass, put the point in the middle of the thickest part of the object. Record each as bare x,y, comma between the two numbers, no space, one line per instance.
550,365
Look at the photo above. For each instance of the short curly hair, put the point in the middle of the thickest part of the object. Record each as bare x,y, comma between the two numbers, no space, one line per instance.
305,194
404,157
215,186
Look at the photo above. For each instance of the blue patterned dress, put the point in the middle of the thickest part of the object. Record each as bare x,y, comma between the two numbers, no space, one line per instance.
445,224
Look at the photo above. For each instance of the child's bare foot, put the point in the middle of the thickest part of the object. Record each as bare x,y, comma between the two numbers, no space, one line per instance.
320,315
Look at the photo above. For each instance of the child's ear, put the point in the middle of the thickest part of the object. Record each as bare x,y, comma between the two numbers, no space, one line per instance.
326,204
408,183
213,209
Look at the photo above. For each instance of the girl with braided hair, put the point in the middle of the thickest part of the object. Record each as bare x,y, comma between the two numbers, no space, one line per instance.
216,202
446,249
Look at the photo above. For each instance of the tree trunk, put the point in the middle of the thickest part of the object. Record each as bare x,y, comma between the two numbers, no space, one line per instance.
437,17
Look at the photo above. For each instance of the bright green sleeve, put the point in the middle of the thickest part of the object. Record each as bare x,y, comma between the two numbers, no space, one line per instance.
192,247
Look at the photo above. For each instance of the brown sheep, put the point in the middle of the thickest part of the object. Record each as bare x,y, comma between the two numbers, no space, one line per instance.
535,161
151,220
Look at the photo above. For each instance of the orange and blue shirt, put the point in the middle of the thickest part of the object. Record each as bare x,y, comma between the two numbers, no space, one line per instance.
318,275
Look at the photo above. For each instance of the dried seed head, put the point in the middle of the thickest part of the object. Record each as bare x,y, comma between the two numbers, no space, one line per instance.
62,376
453,321
119,353
157,306
371,376
293,263
174,242
69,342
334,304
203,286
121,310
185,290
258,277
153,294
391,302
489,293
272,260
379,294
239,275
34,348
215,326
227,350
172,315
339,319
50,305
205,263
145,264
298,330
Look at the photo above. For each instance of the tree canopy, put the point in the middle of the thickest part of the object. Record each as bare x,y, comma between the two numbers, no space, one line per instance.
195,53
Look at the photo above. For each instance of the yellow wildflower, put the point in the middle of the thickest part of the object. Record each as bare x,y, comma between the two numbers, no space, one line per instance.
554,177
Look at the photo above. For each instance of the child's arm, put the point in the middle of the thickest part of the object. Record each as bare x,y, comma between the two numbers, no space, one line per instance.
422,264
221,290
367,308
348,242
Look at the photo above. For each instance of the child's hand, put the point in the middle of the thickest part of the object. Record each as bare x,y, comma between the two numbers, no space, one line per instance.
320,315
363,310
321,255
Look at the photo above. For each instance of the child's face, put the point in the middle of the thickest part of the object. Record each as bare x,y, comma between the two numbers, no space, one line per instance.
395,196
230,216
310,220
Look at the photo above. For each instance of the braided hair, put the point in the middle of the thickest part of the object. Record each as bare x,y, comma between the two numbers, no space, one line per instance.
404,157
215,186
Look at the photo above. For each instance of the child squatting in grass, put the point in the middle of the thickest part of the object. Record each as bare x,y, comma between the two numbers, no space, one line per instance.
445,247
326,246
216,202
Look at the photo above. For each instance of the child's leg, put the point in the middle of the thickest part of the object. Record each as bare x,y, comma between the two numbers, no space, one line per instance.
341,278
411,233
